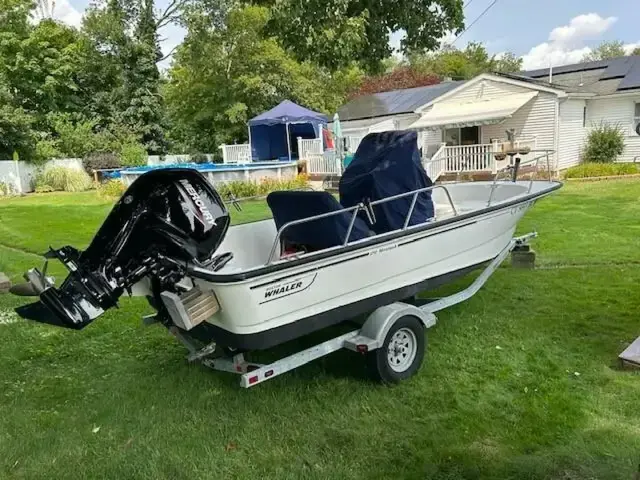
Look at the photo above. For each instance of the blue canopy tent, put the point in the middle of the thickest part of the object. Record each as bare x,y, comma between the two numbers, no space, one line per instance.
271,132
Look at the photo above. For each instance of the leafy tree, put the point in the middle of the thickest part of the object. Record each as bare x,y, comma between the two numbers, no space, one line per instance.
605,50
636,51
221,77
16,132
124,35
42,71
464,64
333,33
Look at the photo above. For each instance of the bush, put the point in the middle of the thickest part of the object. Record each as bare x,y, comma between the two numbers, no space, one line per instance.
44,188
605,144
63,179
99,161
111,189
7,189
133,155
601,170
46,149
242,188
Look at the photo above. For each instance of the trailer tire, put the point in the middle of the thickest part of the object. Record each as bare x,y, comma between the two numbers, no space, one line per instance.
401,353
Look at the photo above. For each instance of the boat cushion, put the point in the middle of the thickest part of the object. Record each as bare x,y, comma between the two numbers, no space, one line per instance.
287,206
387,164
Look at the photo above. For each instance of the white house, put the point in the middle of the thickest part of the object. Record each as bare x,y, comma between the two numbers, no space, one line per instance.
394,110
463,124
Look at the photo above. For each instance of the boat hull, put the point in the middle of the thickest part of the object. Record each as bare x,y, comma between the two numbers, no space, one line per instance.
266,310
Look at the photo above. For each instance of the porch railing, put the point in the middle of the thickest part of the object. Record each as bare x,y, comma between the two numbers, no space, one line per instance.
469,158
352,142
327,163
437,164
308,146
236,153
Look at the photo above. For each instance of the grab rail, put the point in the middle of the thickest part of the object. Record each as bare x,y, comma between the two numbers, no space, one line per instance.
544,154
356,209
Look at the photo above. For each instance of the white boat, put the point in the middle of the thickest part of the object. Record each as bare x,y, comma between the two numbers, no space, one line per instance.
256,285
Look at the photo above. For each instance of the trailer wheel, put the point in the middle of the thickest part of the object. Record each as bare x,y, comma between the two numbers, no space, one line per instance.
401,353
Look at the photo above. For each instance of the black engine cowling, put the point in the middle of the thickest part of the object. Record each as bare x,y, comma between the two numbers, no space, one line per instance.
166,219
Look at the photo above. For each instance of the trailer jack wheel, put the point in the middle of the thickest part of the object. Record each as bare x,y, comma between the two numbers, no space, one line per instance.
401,353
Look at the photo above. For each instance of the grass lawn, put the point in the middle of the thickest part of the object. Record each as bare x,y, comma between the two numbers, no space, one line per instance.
520,382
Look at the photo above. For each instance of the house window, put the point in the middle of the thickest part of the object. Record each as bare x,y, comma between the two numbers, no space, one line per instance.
636,118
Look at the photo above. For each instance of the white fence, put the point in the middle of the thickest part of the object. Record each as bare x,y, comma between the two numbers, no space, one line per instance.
469,158
327,163
240,153
436,165
18,176
309,146
352,142
473,158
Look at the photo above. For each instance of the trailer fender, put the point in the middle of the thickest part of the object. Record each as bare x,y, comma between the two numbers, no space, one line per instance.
375,328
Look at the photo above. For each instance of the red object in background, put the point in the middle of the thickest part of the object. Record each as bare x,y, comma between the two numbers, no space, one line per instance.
328,138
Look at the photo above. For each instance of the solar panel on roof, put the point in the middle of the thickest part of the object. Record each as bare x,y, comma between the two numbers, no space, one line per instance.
578,67
618,68
632,79
394,102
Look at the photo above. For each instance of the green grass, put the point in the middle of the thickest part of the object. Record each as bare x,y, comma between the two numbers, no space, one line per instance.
520,382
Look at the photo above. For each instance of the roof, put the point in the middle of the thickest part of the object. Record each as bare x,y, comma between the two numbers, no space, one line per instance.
395,102
288,112
483,111
604,77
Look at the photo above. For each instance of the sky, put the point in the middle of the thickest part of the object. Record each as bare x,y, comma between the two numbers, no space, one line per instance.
543,32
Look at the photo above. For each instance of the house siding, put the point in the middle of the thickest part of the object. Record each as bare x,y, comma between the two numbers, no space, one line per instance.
617,110
535,119
572,133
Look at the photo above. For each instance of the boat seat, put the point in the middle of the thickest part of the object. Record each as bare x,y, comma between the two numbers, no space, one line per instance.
287,206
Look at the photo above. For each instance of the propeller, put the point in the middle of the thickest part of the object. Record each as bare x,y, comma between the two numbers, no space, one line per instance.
24,290
36,283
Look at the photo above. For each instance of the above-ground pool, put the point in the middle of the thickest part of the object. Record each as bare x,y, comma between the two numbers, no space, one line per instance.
221,173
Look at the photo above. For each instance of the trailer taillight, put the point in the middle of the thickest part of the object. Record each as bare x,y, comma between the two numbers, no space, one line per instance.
253,380
362,348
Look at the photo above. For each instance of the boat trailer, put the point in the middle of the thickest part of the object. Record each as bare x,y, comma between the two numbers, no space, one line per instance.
392,337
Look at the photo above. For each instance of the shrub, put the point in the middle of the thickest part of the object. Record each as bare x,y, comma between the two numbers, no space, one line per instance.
99,161
46,149
43,188
601,170
63,179
133,155
7,189
112,189
605,144
242,188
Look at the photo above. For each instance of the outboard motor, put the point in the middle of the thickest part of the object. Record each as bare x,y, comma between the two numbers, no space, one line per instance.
166,220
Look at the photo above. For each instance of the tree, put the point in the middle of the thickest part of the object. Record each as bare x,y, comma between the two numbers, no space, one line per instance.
124,33
464,64
605,50
334,33
16,132
41,73
636,51
221,77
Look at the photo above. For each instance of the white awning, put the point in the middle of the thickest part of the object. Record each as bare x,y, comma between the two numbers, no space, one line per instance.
475,112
